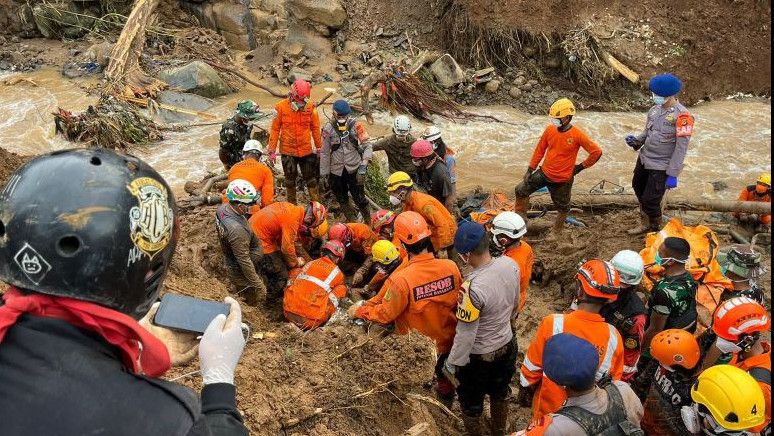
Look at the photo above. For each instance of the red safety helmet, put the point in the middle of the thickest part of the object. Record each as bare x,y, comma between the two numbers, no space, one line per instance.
411,228
740,316
599,279
421,149
300,91
381,218
341,232
336,248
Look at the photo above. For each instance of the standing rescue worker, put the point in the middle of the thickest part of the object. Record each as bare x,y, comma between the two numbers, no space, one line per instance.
251,168
279,226
627,313
610,409
483,357
313,295
421,296
432,174
726,401
678,356
508,230
742,265
662,147
358,239
597,283
398,147
242,249
557,150
385,259
296,129
236,131
761,192
74,360
439,219
444,152
344,160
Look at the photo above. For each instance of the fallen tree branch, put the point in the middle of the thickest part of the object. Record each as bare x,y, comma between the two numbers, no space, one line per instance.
696,204
211,181
373,390
245,78
434,402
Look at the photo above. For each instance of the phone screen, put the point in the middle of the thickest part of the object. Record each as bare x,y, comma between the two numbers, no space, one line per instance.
180,312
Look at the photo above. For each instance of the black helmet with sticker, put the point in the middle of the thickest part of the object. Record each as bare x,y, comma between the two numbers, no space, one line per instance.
89,224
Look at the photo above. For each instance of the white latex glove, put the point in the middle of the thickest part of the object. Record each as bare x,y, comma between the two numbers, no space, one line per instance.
181,346
222,346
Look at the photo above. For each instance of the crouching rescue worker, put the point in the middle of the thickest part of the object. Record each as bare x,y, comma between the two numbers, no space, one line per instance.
627,313
483,357
742,265
313,295
236,131
441,223
508,230
279,227
421,296
678,356
761,192
558,149
385,260
73,358
726,402
358,239
344,160
610,409
242,249
296,129
597,283
251,168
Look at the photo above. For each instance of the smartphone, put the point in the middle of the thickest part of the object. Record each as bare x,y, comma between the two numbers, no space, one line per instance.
188,314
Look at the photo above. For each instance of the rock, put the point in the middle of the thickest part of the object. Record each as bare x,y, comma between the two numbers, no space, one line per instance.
315,46
232,18
533,82
348,88
203,12
262,21
299,73
515,92
276,7
69,20
492,86
196,77
520,81
182,100
100,53
526,87
447,72
281,74
293,50
326,12
375,61
237,41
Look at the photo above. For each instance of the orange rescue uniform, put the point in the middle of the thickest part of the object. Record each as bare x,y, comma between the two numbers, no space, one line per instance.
585,325
441,222
313,295
295,130
362,238
258,174
749,194
276,225
759,365
525,258
421,296
559,151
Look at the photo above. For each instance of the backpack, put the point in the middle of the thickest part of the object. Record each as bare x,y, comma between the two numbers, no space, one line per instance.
611,423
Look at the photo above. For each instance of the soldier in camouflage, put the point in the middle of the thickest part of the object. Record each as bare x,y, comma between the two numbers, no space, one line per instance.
236,131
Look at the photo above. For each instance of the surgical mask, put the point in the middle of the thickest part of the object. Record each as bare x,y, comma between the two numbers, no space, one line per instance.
394,200
724,269
662,261
659,100
659,261
690,417
727,347
417,162
557,122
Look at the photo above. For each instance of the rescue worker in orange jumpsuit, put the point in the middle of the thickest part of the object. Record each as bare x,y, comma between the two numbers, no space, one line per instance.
760,191
508,230
251,168
382,224
678,355
557,149
314,291
597,283
422,296
739,325
294,128
358,239
278,226
440,221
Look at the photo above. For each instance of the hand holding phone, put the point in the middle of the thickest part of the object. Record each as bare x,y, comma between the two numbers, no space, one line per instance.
182,346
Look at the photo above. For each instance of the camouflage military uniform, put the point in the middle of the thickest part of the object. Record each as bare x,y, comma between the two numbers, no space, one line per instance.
233,136
675,298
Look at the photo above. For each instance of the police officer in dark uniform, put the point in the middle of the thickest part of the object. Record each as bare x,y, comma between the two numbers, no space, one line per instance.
236,131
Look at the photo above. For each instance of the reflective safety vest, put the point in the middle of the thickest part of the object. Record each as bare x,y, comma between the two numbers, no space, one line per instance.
313,296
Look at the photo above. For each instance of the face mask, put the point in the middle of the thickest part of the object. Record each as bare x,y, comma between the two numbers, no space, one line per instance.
723,270
557,122
690,419
574,305
659,100
727,347
659,261
394,200
417,162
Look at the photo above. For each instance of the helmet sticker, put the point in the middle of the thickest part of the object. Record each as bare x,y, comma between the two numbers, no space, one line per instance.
150,222
32,264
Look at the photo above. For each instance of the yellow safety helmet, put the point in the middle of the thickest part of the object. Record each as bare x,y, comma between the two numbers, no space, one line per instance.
732,396
384,252
321,230
765,179
561,108
399,179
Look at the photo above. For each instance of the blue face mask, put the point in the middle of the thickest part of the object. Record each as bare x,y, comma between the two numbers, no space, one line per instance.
659,100
723,270
659,261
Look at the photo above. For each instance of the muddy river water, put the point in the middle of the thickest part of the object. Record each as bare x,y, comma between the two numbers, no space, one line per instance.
731,142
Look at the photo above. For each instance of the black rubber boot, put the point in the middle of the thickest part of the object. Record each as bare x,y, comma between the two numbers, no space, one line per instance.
499,409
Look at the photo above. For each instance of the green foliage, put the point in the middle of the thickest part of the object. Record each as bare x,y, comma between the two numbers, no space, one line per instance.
376,185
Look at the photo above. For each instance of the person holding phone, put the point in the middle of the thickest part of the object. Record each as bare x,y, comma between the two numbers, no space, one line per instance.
86,239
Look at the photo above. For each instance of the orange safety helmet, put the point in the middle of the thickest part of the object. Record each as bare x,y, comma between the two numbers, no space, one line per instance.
411,228
599,279
675,347
336,248
381,218
341,232
740,316
318,211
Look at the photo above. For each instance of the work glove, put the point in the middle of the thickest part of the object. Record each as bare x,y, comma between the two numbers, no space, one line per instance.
578,168
450,371
526,394
221,346
361,174
273,157
632,142
671,182
182,346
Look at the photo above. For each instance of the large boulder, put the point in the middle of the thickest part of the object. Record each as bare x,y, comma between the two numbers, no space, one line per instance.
447,72
196,77
189,102
233,21
203,12
329,13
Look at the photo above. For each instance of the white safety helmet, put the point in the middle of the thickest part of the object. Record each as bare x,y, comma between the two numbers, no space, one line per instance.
509,224
402,125
630,266
431,134
242,191
252,145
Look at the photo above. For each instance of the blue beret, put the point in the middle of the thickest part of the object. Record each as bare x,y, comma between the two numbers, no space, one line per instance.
665,85
341,107
468,236
570,361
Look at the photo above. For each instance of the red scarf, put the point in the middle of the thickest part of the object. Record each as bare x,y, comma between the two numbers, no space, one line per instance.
142,353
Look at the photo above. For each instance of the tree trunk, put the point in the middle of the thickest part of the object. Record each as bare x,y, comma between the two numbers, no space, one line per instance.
697,204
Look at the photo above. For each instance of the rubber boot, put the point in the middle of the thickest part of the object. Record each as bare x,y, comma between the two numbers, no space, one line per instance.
251,296
291,193
366,213
520,206
559,223
654,224
314,193
642,228
348,212
499,409
472,425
